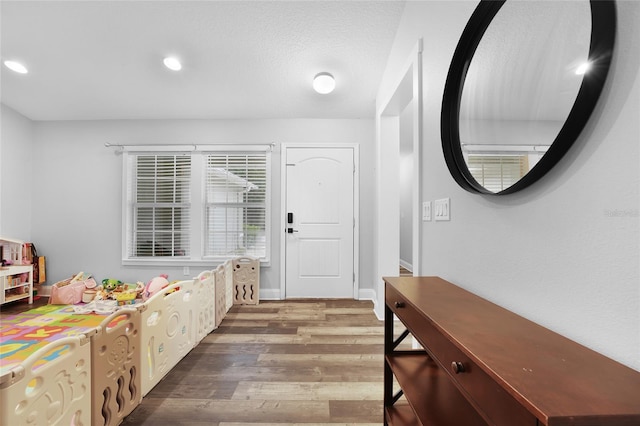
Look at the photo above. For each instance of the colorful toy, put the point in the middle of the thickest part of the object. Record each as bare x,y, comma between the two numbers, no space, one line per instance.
155,285
123,294
110,284
127,297
101,294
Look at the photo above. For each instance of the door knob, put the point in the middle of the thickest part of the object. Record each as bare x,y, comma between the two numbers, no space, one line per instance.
291,230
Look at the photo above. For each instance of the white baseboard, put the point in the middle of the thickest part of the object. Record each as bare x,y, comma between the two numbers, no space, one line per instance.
270,294
370,294
367,294
378,311
274,294
406,265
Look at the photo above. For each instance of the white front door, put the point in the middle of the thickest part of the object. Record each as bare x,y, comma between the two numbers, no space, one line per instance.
319,240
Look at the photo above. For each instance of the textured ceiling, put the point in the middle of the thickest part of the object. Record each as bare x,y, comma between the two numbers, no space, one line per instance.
241,59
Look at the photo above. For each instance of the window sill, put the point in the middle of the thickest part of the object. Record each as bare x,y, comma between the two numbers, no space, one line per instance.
185,262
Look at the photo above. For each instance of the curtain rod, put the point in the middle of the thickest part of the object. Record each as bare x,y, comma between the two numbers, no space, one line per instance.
193,147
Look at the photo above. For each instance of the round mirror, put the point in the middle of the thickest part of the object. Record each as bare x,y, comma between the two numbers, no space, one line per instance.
522,84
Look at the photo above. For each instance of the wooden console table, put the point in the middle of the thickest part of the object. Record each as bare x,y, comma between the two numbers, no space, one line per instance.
484,365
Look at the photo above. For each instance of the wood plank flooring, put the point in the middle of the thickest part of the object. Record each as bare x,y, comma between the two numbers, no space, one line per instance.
404,272
22,305
280,362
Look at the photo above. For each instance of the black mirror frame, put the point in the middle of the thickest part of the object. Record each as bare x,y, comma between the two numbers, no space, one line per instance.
603,29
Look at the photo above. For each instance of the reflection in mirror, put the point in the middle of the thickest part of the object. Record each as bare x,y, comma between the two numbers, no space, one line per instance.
523,82
520,88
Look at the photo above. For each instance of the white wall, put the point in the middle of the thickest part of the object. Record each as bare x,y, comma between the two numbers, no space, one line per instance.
16,180
77,222
564,252
405,191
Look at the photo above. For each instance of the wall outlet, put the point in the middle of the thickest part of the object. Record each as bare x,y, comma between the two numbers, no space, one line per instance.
442,210
185,270
426,210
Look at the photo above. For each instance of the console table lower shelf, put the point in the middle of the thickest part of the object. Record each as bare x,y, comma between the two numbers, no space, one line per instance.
484,365
433,397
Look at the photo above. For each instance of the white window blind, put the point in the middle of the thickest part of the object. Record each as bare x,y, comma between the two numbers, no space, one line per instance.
196,206
160,194
497,172
236,208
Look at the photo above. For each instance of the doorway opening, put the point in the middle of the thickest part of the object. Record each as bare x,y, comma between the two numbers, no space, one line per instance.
399,176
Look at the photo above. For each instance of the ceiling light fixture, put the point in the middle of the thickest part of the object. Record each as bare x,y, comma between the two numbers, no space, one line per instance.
583,68
16,66
324,83
172,63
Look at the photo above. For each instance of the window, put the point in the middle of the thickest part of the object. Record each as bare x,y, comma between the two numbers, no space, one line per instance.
196,207
235,214
161,194
497,172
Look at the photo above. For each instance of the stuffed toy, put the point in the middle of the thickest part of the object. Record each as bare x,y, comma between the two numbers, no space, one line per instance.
155,285
110,284
101,294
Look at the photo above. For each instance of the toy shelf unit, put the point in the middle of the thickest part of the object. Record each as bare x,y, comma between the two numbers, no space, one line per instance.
11,251
17,283
16,279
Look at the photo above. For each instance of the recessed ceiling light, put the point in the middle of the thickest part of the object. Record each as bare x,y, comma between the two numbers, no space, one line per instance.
583,68
172,63
16,66
324,83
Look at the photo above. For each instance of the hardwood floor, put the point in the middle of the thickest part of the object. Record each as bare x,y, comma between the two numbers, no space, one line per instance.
285,362
404,272
18,306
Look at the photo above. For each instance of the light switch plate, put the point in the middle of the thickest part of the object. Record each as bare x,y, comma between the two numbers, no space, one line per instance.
426,210
442,210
